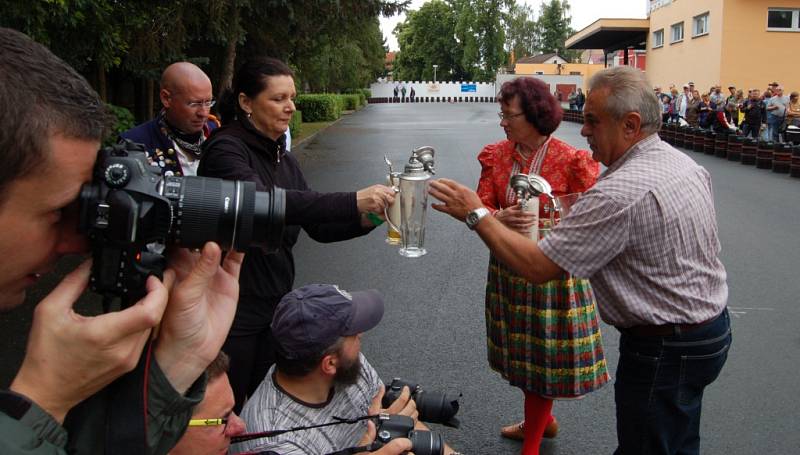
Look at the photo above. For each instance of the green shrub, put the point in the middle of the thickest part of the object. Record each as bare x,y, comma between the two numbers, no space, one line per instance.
350,102
124,121
366,92
319,108
295,124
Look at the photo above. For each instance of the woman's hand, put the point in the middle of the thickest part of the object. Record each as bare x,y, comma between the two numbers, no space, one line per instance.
514,218
374,199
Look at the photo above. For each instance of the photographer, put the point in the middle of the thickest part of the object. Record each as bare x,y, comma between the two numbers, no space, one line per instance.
320,374
53,123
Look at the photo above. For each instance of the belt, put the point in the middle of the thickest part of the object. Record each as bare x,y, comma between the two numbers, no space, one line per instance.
665,330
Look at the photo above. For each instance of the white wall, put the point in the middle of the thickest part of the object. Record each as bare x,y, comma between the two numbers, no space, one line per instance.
426,88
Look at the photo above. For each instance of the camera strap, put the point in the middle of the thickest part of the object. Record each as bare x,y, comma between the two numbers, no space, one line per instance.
271,433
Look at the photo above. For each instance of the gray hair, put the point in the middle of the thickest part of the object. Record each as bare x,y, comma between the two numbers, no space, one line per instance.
41,96
629,91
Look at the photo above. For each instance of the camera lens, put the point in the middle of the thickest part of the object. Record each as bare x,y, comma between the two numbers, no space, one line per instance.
437,407
426,443
231,213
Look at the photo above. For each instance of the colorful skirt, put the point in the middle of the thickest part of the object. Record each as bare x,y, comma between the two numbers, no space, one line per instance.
544,339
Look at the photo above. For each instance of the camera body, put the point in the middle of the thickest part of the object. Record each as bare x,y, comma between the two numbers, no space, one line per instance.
129,213
398,426
433,407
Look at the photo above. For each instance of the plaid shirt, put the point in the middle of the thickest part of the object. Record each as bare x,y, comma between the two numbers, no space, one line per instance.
646,236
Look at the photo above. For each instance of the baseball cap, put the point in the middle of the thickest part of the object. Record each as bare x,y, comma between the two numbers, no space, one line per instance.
310,319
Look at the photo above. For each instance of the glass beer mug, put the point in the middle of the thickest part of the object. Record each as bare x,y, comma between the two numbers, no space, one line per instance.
411,202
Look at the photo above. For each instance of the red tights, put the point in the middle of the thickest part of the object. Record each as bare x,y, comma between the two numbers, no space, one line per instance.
537,417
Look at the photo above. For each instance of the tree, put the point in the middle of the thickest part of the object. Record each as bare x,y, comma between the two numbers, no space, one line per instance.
522,32
427,38
554,28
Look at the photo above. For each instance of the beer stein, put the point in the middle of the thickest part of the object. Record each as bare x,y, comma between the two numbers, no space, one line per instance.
529,187
412,202
528,201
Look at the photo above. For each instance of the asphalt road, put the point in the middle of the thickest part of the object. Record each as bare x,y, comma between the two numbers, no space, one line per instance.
433,329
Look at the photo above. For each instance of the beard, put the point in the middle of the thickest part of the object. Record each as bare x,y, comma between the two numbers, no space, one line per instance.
348,373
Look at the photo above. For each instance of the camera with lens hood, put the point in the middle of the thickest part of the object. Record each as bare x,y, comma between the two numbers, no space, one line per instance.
399,426
433,407
130,212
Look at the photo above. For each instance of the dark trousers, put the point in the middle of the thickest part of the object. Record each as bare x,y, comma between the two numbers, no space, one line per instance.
750,130
659,388
251,357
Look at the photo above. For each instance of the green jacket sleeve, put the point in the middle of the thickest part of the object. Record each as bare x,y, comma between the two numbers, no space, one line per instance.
34,432
168,412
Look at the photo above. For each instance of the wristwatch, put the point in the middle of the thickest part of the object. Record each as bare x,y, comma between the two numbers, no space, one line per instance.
476,216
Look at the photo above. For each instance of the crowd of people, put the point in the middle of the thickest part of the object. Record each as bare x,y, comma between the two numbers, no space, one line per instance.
762,115
638,249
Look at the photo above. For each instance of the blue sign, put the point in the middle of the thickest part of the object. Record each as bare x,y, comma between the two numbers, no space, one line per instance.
465,88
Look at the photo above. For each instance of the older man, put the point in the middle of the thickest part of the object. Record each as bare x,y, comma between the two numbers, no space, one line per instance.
175,136
646,235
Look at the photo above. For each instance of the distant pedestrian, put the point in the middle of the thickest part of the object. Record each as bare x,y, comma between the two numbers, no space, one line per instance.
580,100
403,92
412,94
396,92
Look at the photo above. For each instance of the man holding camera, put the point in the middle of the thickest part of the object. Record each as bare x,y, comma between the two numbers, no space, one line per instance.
53,124
175,136
320,374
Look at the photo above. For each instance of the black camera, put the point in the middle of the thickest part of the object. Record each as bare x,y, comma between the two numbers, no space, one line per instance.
433,407
130,212
398,426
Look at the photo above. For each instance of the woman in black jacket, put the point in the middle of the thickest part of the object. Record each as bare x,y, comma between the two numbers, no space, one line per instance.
252,146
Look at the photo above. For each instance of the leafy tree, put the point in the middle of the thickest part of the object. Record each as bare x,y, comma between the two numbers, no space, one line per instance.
522,32
554,28
427,38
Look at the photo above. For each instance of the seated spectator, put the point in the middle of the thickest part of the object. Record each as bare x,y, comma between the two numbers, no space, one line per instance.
705,111
719,122
320,374
213,421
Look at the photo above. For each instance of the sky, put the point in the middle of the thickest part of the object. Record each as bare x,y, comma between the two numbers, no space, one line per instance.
584,12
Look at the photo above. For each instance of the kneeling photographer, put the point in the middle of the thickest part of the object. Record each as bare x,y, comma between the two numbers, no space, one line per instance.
322,380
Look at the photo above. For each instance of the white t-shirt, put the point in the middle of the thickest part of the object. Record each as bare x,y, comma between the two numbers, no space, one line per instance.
271,408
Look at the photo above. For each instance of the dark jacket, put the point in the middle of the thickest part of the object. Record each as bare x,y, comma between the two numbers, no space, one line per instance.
752,112
25,428
240,152
160,148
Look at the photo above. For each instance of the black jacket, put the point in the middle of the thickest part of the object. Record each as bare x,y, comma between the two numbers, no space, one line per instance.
240,152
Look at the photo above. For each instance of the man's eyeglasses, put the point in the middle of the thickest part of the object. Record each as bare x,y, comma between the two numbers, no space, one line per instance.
209,423
504,116
207,104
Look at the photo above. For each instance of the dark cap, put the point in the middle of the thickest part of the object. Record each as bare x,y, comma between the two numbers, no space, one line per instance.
310,319
773,84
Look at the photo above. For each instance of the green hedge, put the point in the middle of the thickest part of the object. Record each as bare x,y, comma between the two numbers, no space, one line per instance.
366,92
351,102
319,108
295,124
124,121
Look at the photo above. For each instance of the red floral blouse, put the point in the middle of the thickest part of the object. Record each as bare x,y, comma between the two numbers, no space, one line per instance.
567,169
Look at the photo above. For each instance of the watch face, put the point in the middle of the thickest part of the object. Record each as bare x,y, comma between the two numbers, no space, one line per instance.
472,218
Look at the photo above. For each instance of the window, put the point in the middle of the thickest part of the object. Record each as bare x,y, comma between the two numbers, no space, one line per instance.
783,19
700,25
658,38
677,32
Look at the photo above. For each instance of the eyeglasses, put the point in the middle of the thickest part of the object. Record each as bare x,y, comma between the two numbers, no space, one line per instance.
209,423
207,104
504,116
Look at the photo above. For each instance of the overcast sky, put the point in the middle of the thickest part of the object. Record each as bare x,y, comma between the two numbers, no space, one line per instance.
584,12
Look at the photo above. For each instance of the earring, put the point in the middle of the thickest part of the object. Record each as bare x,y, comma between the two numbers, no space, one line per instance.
249,114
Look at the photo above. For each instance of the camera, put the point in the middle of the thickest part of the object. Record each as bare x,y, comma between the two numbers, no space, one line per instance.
398,426
129,213
433,407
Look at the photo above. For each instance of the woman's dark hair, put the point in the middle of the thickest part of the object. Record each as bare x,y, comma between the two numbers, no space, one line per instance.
541,108
250,79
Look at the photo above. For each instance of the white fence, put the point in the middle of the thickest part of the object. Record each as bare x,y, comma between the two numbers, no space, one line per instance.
430,91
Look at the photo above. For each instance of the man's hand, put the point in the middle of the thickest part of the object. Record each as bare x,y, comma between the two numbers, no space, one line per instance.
70,357
516,219
458,200
396,446
374,199
403,405
200,312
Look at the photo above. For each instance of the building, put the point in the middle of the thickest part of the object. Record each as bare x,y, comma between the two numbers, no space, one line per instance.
561,75
745,43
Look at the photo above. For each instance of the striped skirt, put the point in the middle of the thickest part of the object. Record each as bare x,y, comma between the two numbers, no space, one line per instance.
544,339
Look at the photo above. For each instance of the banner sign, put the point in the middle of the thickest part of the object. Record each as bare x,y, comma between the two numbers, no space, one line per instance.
469,88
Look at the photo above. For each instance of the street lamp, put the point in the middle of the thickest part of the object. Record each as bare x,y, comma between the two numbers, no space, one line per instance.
434,72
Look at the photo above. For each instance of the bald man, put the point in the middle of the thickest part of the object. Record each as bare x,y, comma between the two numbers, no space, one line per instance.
175,136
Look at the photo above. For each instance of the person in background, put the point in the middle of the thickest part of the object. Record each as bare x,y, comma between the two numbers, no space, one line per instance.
174,138
752,114
693,109
793,112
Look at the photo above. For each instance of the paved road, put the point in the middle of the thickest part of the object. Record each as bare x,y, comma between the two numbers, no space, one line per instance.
433,331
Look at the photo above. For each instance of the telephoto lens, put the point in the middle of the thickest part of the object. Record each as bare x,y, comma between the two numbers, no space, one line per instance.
433,407
129,212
